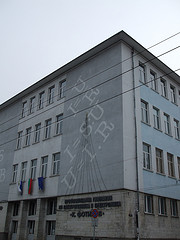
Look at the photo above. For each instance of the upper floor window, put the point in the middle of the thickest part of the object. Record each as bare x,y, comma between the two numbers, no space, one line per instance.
51,94
44,165
148,203
163,87
28,136
159,161
176,129
174,209
14,226
59,122
33,168
16,208
51,206
14,176
31,226
23,171
32,208
156,118
173,94
178,160
162,205
62,86
32,105
146,156
153,80
47,128
170,165
41,100
24,109
50,227
37,133
144,112
142,73
56,163
19,140
167,124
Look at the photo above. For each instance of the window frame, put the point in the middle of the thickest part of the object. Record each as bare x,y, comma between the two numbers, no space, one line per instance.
14,173
59,124
162,209
56,164
44,166
51,94
51,206
178,162
37,133
32,208
31,225
16,206
47,129
176,129
174,208
148,204
153,80
19,140
173,94
32,105
167,124
23,171
156,118
163,85
41,100
159,161
62,88
147,157
28,137
33,169
170,161
144,112
142,73
50,227
24,109
14,228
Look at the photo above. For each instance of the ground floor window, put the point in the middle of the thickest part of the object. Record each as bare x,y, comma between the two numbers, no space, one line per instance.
50,227
162,206
14,226
31,227
174,210
148,203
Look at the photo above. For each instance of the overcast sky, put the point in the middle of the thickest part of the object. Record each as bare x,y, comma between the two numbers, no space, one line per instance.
39,36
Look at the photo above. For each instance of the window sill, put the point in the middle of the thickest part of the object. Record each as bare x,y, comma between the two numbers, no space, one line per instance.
158,129
175,216
26,146
172,177
156,91
46,138
49,104
178,139
59,134
174,103
13,183
148,170
168,134
162,215
17,149
34,143
164,97
56,175
161,174
146,124
150,214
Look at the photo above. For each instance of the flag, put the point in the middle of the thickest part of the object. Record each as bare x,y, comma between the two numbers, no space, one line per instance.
20,187
41,183
29,186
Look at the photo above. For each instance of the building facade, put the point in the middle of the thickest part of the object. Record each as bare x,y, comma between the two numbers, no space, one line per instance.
92,151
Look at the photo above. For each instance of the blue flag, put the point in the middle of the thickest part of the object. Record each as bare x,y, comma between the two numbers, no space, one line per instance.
41,183
20,187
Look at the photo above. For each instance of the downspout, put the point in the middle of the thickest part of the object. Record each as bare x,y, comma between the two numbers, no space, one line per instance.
136,147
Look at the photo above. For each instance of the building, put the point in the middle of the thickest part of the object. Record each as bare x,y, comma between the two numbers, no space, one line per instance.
101,133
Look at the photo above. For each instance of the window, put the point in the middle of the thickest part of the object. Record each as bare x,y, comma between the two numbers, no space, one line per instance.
142,73
19,140
148,203
23,171
37,133
146,156
31,227
178,160
32,105
173,94
162,205
153,80
51,206
156,118
59,122
50,227
174,209
28,137
47,129
41,100
176,129
33,168
159,161
32,208
51,95
15,169
14,226
163,88
144,112
170,165
16,209
62,86
56,163
44,166
24,109
167,123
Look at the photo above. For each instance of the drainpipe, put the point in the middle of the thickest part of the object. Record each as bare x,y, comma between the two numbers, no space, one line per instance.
136,155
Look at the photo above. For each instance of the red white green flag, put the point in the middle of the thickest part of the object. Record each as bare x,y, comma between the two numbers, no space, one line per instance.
29,186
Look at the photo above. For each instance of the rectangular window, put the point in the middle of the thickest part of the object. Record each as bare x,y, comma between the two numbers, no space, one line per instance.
41,100
174,209
23,171
144,112
47,128
14,176
44,166
163,88
37,133
142,73
33,168
51,206
50,227
14,226
178,160
167,124
19,140
162,206
148,203
28,137
16,209
31,227
24,109
51,95
159,161
153,80
170,165
62,86
173,94
56,163
156,118
32,208
146,156
176,129
32,105
59,122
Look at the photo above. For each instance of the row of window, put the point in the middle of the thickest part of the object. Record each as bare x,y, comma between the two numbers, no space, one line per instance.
162,206
47,132
166,91
33,168
159,155
28,107
157,122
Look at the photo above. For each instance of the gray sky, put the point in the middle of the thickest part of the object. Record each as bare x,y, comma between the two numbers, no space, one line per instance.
39,36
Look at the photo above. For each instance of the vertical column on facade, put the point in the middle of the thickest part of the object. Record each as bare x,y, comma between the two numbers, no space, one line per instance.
40,214
8,220
22,225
